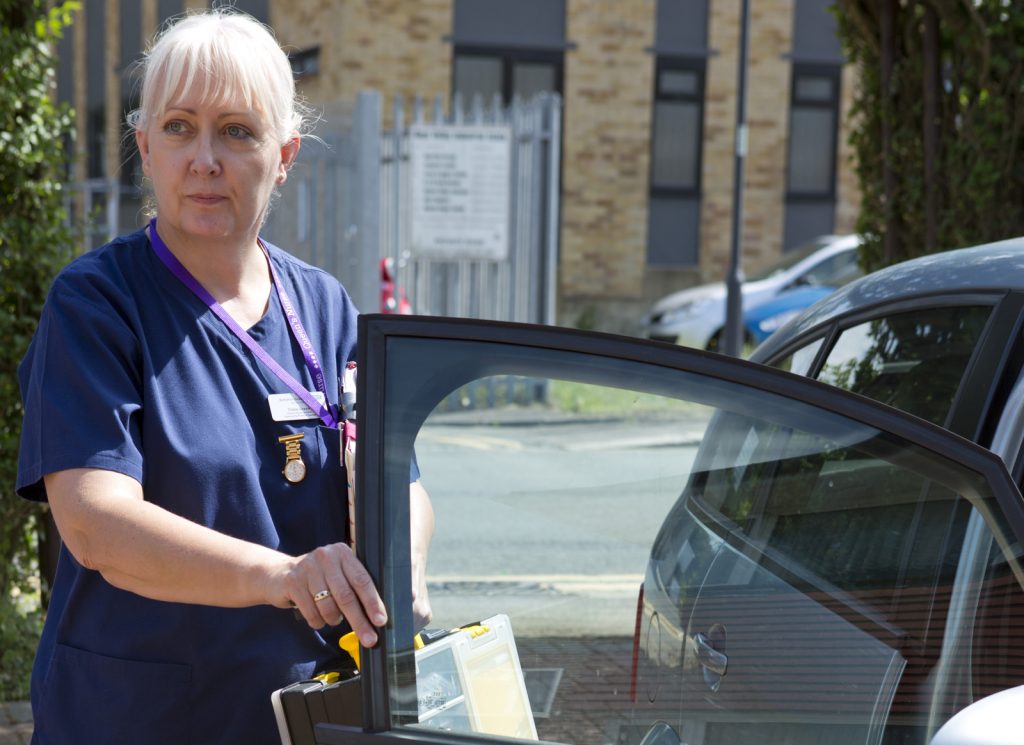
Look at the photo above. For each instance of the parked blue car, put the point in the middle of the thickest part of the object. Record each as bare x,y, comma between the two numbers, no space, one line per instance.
763,320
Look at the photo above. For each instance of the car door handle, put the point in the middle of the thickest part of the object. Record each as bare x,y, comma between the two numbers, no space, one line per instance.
708,656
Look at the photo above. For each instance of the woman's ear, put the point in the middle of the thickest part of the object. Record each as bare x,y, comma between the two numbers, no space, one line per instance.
289,152
142,142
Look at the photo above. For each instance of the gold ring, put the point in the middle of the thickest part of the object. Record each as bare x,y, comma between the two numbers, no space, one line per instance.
322,595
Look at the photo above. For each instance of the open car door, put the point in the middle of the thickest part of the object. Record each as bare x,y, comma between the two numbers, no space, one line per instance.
638,543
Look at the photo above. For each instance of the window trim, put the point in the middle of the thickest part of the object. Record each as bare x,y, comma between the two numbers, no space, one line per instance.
833,325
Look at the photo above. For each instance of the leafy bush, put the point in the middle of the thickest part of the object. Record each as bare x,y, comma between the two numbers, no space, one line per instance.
34,243
939,134
19,632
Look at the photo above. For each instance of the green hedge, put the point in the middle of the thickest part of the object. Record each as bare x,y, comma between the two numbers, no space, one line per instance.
34,243
939,138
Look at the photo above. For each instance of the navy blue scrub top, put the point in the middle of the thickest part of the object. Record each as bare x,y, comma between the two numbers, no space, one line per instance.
130,372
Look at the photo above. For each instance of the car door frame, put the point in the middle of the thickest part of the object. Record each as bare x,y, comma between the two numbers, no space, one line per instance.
375,330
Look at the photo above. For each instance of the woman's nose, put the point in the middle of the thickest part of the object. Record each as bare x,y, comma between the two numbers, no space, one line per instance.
205,161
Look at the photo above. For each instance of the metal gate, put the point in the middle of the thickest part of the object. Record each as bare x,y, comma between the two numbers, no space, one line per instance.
346,208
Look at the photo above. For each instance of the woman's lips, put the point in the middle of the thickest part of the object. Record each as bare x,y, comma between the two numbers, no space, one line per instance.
206,198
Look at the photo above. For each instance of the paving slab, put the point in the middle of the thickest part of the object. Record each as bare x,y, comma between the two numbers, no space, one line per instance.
15,723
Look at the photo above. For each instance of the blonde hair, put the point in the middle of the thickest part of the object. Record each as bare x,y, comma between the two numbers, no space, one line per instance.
232,54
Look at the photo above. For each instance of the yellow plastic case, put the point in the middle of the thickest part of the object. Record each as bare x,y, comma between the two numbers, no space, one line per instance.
471,681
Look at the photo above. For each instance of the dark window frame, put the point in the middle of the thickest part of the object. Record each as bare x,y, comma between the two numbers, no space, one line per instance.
818,70
509,57
670,63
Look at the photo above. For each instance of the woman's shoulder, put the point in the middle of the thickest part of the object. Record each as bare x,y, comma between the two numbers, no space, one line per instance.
109,271
294,265
119,256
306,277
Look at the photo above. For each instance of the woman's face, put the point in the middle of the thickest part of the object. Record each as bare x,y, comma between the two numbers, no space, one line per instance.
213,167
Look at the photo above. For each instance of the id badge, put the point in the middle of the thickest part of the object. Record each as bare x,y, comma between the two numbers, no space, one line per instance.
288,407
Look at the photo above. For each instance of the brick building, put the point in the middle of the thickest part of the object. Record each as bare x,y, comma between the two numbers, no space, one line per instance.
649,90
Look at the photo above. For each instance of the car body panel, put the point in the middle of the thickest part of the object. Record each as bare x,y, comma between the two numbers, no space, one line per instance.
763,320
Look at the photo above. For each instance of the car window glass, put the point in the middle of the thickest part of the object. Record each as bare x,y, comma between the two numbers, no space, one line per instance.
547,495
913,361
800,361
806,508
792,258
880,546
648,546
834,271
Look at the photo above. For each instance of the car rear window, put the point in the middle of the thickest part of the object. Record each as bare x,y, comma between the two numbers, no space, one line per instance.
913,360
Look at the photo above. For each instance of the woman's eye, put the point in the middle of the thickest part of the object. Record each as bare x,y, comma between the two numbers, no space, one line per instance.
234,130
174,127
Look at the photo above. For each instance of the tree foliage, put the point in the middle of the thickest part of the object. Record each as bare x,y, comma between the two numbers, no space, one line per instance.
34,242
939,134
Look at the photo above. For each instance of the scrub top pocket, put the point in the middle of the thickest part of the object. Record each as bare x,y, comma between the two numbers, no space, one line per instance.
88,697
333,492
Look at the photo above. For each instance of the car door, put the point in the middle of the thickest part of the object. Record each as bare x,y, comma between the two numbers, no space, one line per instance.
643,543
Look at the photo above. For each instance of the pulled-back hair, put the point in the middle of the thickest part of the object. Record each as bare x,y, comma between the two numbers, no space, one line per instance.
232,55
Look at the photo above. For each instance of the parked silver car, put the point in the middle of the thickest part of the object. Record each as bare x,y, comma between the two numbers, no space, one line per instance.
831,595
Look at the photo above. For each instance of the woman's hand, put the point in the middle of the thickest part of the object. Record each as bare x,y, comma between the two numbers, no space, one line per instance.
328,585
140,547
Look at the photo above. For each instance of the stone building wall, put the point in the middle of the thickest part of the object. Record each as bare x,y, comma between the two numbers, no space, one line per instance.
719,137
392,46
608,88
768,93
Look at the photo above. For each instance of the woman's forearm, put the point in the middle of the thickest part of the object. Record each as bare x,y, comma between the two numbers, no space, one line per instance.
141,547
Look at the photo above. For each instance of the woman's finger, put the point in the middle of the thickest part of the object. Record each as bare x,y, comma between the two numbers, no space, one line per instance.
345,591
326,607
353,591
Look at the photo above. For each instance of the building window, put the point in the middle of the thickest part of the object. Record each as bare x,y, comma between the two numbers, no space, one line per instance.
673,222
676,136
814,115
813,124
507,49
490,72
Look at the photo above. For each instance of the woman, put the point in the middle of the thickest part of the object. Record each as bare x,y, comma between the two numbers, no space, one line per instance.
181,420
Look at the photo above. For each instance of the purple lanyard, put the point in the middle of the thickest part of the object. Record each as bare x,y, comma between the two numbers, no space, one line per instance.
298,331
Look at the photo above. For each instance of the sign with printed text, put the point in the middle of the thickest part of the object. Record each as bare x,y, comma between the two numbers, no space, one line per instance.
460,191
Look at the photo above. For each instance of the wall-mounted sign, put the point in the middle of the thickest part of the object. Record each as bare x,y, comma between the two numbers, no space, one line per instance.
460,191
